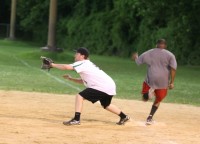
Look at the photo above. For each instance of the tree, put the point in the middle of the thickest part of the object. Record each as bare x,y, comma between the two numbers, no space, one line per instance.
114,27
51,43
12,20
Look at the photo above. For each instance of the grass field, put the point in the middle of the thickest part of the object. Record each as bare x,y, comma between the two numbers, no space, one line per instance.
20,70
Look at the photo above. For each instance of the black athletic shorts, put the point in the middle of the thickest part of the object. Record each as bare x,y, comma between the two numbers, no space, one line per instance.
95,95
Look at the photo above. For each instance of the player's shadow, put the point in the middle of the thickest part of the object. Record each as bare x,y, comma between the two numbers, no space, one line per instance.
98,121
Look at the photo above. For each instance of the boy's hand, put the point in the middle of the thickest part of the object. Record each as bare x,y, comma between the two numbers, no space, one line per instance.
67,76
135,56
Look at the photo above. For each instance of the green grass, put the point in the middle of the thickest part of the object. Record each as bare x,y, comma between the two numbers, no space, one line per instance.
20,70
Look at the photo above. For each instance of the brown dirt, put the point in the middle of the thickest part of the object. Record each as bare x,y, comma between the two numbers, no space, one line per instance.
36,118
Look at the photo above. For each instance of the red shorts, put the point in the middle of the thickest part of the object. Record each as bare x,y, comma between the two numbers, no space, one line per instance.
160,94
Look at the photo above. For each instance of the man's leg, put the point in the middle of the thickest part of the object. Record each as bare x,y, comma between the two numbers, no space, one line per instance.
145,92
160,95
152,112
154,108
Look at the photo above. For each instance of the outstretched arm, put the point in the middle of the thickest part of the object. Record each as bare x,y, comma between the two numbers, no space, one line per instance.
135,56
76,80
138,59
172,74
62,66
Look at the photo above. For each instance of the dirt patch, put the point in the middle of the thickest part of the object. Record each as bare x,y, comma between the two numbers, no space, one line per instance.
36,118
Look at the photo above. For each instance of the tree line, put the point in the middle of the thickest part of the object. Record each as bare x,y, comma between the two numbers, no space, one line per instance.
116,27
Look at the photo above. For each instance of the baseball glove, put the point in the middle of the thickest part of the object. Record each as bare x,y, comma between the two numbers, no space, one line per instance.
46,63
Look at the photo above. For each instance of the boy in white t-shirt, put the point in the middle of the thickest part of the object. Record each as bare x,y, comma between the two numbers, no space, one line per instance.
99,86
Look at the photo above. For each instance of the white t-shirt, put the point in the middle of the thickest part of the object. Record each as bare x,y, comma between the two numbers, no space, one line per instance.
95,78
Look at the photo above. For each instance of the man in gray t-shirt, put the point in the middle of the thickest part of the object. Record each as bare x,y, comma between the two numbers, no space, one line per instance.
161,70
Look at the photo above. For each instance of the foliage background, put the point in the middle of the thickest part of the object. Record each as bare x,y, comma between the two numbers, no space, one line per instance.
115,27
20,70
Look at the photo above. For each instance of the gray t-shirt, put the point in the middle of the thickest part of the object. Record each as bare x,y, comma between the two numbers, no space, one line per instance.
159,62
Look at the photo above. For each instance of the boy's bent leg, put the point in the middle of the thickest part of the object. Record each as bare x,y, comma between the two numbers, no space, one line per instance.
114,109
79,103
78,109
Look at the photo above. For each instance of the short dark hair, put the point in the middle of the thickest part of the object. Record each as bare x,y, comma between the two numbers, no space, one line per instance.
161,41
83,51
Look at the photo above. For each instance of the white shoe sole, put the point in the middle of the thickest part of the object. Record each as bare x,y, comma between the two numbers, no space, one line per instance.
150,123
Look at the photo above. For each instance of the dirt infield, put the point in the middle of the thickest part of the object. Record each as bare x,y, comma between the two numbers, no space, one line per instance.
36,118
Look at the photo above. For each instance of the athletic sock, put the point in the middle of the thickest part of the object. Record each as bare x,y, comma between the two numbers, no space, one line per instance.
77,116
122,115
153,110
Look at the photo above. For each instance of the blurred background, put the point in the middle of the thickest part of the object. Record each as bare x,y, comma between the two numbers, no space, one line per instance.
111,30
109,27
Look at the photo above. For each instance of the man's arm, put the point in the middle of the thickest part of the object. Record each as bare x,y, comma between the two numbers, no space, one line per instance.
76,80
135,56
138,59
62,66
172,74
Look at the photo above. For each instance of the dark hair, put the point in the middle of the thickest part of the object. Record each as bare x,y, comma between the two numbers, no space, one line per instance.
83,51
161,41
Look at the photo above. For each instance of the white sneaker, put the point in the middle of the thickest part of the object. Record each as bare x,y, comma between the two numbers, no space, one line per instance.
72,122
151,93
149,121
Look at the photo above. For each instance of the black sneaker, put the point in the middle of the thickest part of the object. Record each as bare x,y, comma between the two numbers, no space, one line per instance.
122,121
72,122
